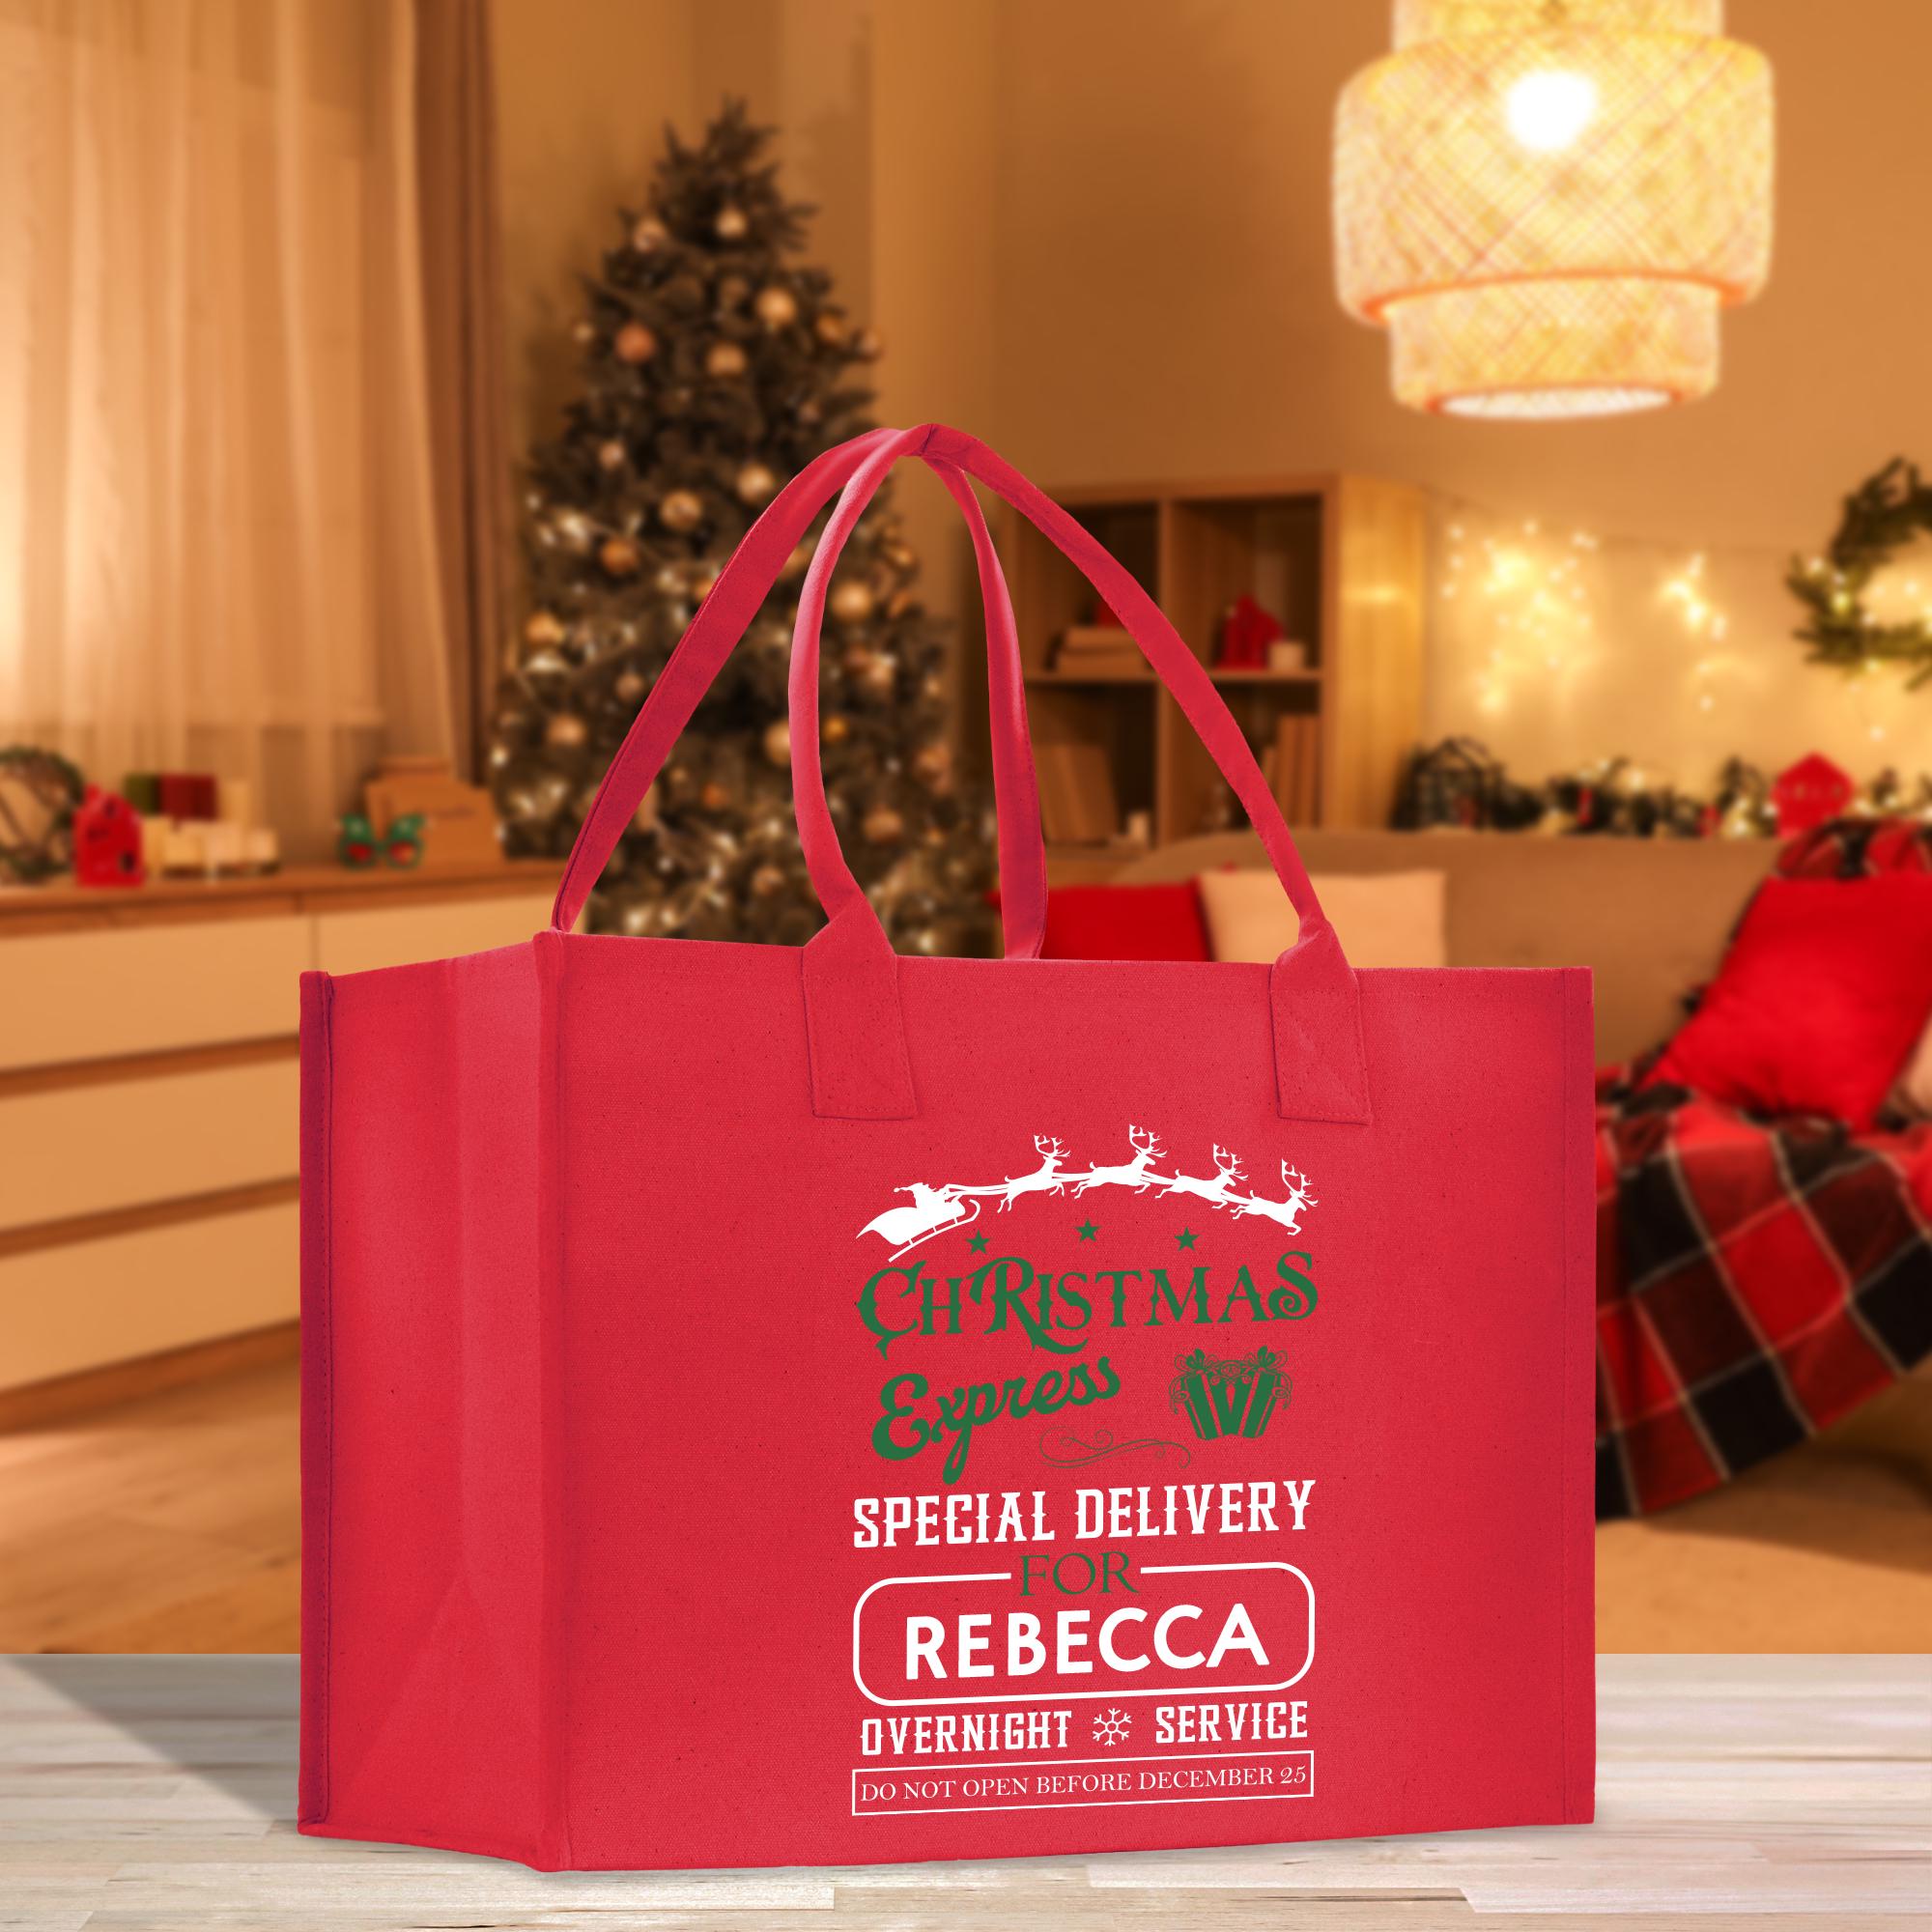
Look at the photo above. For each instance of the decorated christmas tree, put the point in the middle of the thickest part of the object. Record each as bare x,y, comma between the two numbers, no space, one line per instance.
716,364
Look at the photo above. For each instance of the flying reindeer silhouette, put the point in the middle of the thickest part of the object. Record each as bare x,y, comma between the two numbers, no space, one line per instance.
1288,1212
1218,1190
934,1211
1046,1179
1132,1174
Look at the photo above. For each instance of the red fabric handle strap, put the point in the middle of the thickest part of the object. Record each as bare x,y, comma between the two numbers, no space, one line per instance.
860,1069
742,587
860,1065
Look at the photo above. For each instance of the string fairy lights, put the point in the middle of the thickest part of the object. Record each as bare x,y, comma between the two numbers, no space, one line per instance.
1690,591
1537,601
1558,642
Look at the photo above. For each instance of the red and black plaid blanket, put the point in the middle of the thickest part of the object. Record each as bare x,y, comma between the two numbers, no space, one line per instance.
1755,1279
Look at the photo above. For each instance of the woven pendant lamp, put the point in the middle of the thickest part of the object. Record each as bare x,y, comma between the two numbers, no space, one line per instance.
1547,202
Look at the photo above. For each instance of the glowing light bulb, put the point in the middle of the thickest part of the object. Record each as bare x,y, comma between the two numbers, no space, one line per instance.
1547,111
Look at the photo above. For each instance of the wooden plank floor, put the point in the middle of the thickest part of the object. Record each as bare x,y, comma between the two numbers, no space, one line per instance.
169,1523
146,1794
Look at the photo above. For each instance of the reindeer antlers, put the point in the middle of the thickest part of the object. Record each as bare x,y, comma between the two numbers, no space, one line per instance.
1149,1146
1050,1147
1297,1182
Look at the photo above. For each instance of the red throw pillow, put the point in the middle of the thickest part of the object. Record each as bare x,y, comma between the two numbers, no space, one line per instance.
1821,997
1125,923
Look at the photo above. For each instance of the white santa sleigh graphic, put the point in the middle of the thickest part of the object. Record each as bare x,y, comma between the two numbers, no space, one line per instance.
931,1211
934,1211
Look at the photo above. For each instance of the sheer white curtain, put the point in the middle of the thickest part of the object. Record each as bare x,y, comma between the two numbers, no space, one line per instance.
216,545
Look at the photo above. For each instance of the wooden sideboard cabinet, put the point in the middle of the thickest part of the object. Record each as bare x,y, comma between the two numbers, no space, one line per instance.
148,1090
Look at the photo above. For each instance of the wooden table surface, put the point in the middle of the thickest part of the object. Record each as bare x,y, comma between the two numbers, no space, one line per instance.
143,1792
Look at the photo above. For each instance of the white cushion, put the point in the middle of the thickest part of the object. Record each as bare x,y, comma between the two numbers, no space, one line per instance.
1382,919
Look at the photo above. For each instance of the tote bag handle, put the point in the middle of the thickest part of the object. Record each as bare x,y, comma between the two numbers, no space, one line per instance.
854,1030
859,1061
742,586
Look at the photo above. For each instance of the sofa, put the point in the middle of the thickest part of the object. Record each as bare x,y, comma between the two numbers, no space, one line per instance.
1761,1275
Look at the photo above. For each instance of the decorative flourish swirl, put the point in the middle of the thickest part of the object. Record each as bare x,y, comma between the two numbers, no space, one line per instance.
1069,1452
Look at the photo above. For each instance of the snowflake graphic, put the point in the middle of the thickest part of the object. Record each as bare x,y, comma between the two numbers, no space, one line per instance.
1110,1727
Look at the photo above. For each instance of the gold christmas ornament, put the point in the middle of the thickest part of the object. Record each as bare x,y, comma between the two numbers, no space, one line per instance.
713,797
851,601
1548,205
630,687
832,331
618,556
767,882
755,483
835,728
567,731
933,764
778,743
775,308
583,331
544,628
874,672
869,344
725,360
732,223
635,342
649,236
681,510
611,454
883,826
703,580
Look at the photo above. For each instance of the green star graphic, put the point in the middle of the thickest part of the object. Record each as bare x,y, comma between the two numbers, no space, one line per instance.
1086,1231
977,1242
1186,1237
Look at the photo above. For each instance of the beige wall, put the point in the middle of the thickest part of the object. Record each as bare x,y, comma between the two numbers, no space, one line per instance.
1098,230
584,87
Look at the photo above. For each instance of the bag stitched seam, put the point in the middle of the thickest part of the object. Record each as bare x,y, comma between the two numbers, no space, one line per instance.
326,1300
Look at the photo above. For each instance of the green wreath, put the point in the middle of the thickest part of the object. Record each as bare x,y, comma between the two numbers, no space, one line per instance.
38,791
1882,516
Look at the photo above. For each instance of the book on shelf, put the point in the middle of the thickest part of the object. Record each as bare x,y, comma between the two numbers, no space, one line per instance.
1098,650
1294,769
1077,801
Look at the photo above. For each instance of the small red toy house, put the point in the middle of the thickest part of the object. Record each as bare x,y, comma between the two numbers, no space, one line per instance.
1810,793
106,841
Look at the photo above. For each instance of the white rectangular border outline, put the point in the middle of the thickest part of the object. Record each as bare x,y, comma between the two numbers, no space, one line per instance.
1099,1803
1079,1696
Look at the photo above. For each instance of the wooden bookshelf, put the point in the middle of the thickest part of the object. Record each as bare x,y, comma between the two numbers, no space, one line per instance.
1338,558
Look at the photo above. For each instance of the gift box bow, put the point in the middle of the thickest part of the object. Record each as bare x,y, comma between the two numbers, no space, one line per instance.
1228,1394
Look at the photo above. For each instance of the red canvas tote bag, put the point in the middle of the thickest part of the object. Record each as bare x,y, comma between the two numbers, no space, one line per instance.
772,1406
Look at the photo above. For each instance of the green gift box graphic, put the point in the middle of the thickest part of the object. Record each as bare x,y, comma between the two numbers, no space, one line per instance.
1230,1396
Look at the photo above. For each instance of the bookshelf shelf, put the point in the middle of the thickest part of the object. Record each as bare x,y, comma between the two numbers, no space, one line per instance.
1338,558
1145,677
